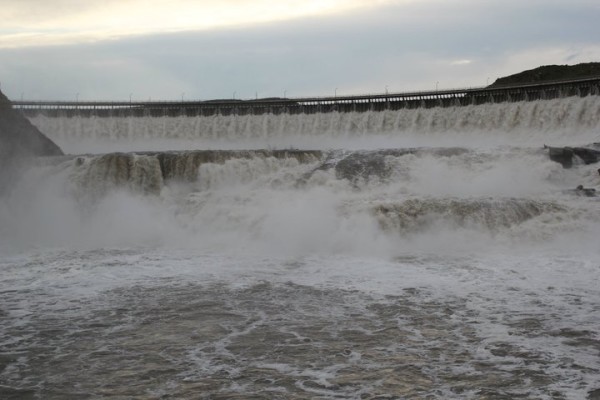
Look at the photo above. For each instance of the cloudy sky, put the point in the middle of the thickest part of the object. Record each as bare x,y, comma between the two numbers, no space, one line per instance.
205,49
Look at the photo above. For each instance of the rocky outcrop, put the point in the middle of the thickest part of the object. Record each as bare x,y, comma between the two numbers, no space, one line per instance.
566,156
356,166
19,140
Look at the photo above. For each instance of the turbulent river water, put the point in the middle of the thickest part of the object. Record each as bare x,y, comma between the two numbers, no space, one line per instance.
414,254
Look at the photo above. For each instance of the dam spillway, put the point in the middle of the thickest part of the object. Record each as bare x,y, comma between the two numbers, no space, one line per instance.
532,123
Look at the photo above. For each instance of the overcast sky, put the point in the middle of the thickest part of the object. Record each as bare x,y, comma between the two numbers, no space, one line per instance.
205,49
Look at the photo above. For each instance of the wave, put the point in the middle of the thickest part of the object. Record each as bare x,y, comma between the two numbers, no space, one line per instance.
491,213
147,173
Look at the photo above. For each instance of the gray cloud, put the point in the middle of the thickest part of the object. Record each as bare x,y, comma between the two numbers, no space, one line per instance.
404,47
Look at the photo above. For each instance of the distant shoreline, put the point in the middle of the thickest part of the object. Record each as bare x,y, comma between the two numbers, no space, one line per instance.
548,73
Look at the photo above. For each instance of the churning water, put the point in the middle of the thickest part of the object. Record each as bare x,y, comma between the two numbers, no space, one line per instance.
431,253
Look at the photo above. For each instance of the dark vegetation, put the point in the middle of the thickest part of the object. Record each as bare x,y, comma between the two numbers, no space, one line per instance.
549,73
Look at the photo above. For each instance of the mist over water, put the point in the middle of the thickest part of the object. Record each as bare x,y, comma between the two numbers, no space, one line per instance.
412,253
498,171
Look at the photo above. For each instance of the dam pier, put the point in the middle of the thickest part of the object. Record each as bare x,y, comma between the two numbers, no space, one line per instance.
311,105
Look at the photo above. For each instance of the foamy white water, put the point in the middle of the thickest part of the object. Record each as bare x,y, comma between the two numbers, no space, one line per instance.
413,254
560,121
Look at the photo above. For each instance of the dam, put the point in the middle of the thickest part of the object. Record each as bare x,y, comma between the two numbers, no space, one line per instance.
424,252
311,105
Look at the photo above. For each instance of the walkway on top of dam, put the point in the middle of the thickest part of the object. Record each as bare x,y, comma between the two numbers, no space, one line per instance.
352,103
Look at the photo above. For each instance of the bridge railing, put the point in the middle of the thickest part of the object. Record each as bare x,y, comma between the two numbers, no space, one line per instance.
443,97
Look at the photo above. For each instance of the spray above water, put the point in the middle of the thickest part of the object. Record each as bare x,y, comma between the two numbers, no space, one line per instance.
393,177
301,202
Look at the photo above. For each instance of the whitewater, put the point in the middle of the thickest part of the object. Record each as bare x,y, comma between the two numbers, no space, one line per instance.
427,253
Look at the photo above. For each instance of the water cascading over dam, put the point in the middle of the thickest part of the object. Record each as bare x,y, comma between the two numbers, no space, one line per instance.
533,123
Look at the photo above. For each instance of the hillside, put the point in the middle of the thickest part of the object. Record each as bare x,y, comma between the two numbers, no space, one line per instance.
550,73
19,140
